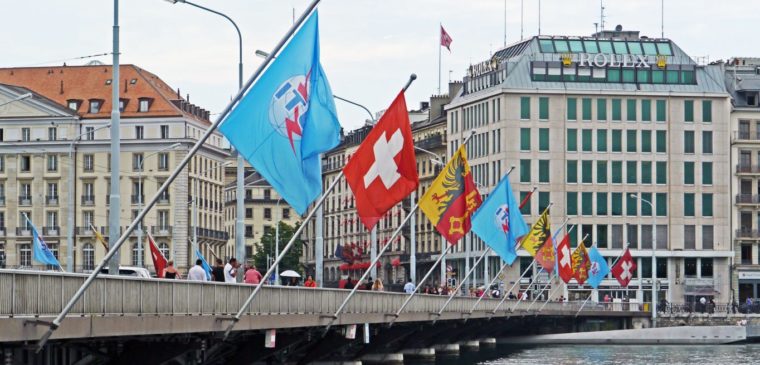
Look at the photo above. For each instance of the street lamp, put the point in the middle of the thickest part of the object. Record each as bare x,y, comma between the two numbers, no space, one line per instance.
18,98
139,199
239,227
435,160
654,260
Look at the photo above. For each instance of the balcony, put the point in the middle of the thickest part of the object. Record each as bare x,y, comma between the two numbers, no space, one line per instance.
24,200
747,199
431,142
747,233
204,233
163,199
51,199
161,230
51,231
136,199
2,201
84,231
88,200
747,136
747,169
23,232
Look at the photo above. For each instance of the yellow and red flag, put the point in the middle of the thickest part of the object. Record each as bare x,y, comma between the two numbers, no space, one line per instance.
539,235
581,263
99,237
452,198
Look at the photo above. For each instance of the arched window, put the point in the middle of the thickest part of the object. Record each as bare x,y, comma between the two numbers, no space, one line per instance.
136,252
88,257
164,248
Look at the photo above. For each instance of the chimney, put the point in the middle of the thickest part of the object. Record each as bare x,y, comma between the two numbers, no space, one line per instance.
187,98
179,96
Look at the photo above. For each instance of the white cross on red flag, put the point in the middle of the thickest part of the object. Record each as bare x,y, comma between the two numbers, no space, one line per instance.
383,170
624,269
445,39
565,259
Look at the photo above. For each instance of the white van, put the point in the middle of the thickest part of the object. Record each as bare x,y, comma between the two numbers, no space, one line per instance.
135,271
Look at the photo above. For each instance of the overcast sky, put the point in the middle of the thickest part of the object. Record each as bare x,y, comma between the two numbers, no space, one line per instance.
369,47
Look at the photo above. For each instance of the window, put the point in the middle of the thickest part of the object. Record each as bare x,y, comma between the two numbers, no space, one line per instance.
139,132
163,161
572,203
662,141
525,210
164,132
587,172
94,106
572,109
617,203
631,205
601,140
646,172
52,133
601,203
617,114
543,139
707,142
646,209
137,162
630,140
706,267
617,140
25,255
572,140
525,171
688,110
630,110
122,105
586,105
73,104
646,141
617,172
688,204
543,108
708,240
572,171
631,173
688,173
163,219
707,173
707,205
26,134
587,207
88,162
688,141
543,171
690,265
2,163
707,111
601,172
601,109
52,219
267,213
144,105
662,173
52,190
661,201
90,133
163,247
524,107
285,213
26,163
586,140
543,201
660,106
52,163
248,231
524,139
646,110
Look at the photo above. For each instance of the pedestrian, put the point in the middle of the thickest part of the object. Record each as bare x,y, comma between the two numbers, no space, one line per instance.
197,273
368,284
252,276
293,282
378,285
409,287
445,290
230,271
217,272
524,295
170,272
711,306
702,304
512,296
310,283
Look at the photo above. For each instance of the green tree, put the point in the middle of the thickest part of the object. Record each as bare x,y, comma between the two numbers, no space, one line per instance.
266,248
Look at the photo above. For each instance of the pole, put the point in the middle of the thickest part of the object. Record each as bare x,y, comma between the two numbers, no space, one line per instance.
115,198
124,236
195,215
277,241
443,266
409,298
440,26
467,250
541,292
319,246
285,250
139,208
373,251
539,17
654,258
613,264
522,18
548,298
413,243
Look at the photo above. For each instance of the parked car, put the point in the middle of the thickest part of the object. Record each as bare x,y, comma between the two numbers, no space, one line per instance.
139,272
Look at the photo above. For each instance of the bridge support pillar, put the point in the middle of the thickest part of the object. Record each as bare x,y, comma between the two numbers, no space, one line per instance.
450,349
419,354
488,342
469,345
391,358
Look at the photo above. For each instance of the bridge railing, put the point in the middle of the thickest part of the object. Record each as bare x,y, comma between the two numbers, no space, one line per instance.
30,293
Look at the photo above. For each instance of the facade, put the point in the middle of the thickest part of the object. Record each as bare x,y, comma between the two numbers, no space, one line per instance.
597,123
69,116
743,82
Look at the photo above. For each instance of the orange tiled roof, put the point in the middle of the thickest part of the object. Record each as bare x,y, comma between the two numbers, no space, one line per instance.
85,83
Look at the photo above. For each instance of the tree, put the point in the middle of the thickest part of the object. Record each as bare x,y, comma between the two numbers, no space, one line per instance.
266,248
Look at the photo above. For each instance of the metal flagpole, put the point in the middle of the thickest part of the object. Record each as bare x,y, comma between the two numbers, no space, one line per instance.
548,298
552,291
440,26
554,275
519,298
613,264
114,248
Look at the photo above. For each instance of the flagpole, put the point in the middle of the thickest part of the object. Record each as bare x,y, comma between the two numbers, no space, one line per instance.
552,291
554,275
56,323
592,293
548,298
440,26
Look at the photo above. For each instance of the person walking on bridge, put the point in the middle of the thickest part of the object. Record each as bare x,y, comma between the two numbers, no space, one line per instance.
252,276
310,283
217,273
230,271
197,273
170,272
409,287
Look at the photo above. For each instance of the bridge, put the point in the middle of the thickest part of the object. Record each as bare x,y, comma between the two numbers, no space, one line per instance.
123,308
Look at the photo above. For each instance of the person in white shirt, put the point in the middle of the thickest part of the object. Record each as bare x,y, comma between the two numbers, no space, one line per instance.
230,271
409,287
197,273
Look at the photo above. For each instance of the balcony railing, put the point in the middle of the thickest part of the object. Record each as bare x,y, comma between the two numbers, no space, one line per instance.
51,231
51,199
2,201
161,230
84,231
88,200
25,200
747,169
747,233
210,234
23,232
747,199
431,142
163,199
138,198
2,232
746,136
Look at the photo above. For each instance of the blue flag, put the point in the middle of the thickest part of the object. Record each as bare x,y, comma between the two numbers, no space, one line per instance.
204,264
599,268
287,119
41,252
499,222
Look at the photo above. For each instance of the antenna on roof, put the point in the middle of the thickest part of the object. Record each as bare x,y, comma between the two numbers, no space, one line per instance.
662,18
539,17
601,15
505,23
522,18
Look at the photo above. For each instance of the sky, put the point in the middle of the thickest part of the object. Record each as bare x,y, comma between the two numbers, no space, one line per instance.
369,47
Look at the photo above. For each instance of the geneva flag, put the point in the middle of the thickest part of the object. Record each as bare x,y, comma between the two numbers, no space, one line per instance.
452,198
623,270
599,268
383,171
539,234
287,118
581,263
499,222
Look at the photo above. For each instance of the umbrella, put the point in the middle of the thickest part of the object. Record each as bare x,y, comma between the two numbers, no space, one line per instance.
289,274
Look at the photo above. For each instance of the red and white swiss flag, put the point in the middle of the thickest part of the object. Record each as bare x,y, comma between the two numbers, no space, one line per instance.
565,259
383,171
624,269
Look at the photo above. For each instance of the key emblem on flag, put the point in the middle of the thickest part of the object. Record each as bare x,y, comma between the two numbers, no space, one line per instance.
288,107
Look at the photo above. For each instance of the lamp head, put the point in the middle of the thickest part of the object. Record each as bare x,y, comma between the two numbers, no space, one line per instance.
175,1
262,54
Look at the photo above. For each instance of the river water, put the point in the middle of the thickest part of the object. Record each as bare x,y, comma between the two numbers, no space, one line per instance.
607,354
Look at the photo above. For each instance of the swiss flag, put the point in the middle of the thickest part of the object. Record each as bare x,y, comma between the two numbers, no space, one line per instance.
159,261
383,171
565,260
624,269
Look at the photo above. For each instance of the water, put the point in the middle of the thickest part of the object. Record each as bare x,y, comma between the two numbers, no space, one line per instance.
608,354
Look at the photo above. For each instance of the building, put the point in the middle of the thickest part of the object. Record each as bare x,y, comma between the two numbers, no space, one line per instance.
69,115
743,82
597,123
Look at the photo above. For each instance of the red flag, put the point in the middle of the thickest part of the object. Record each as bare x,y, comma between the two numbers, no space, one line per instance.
445,39
624,269
565,259
383,171
545,255
159,261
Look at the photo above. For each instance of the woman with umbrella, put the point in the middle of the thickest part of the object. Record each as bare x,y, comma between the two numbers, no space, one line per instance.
292,275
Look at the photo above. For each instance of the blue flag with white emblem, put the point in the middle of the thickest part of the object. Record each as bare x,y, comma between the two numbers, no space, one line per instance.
599,268
499,222
287,119
40,250
204,263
